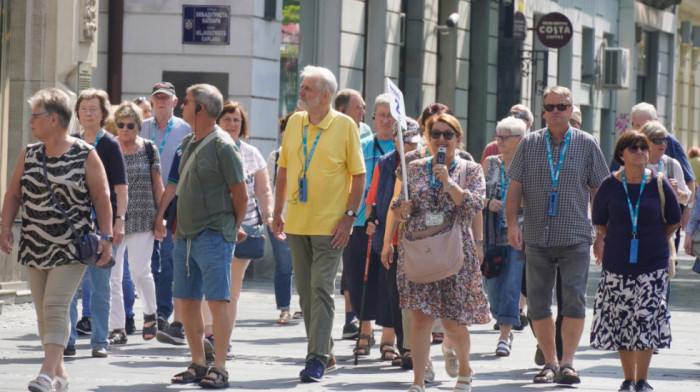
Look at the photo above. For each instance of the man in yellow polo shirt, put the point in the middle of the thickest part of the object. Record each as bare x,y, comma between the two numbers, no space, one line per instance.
321,177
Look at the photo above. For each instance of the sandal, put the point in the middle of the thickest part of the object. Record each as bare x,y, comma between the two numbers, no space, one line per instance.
218,381
438,337
546,375
416,388
397,361
451,361
388,352
363,349
61,383
567,375
284,317
464,384
503,347
42,383
118,336
187,377
149,332
298,315
407,361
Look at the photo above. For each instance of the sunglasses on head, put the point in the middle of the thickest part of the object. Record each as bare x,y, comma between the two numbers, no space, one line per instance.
447,135
634,149
560,107
659,140
122,125
517,115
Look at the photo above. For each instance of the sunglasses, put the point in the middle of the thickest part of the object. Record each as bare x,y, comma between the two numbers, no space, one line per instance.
560,107
140,100
660,140
130,126
447,135
634,149
503,138
517,115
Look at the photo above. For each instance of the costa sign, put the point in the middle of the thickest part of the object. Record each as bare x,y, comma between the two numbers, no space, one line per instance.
554,30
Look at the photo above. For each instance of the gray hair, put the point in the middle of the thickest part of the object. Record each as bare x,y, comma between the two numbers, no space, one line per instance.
643,108
53,101
128,109
326,80
382,99
653,129
559,90
512,125
208,96
576,115
526,111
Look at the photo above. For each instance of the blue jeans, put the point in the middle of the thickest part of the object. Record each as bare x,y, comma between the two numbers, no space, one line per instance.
162,269
100,300
504,290
283,271
127,288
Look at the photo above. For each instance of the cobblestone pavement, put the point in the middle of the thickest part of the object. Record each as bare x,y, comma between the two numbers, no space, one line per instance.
270,356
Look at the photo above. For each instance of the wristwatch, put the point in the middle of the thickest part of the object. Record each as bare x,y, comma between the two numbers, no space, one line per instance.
351,214
122,217
107,238
450,185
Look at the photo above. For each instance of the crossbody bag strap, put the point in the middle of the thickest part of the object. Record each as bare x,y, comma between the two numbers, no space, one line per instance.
74,233
662,195
190,159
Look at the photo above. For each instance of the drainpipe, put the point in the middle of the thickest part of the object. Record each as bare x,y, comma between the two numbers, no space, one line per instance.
115,35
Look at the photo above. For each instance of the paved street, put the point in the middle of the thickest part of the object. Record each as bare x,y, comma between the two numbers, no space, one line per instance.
269,357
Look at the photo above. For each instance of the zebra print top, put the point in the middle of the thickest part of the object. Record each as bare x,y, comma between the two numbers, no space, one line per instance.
46,240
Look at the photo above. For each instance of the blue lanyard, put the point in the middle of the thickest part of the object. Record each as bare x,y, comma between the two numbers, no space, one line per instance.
634,214
165,137
504,184
433,182
555,176
658,169
97,139
313,148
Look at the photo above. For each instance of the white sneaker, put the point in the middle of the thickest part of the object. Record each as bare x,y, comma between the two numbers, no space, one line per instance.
451,361
429,373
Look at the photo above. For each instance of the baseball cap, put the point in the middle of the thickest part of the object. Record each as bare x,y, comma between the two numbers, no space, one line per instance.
163,87
411,134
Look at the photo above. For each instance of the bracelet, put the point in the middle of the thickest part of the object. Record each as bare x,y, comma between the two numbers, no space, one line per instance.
488,204
450,185
269,215
479,241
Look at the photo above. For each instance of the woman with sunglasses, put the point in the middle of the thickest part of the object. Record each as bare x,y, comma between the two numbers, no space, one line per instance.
443,196
503,290
630,310
145,190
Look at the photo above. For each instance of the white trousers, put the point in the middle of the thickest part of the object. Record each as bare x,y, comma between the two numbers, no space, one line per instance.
140,246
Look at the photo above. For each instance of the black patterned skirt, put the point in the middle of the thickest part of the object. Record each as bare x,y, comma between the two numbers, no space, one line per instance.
630,312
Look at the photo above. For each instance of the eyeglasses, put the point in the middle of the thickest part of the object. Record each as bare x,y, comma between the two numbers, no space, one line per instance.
634,149
140,100
382,116
574,123
560,107
447,135
122,125
40,115
660,140
503,138
518,115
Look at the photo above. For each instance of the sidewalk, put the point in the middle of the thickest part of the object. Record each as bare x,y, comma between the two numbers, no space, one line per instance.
269,356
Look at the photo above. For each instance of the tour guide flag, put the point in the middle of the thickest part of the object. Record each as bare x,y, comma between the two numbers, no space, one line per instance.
398,111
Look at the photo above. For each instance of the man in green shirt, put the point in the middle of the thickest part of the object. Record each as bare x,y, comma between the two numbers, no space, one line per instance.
211,205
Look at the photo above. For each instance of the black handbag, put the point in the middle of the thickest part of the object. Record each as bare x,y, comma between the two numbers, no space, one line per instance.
494,255
253,247
85,245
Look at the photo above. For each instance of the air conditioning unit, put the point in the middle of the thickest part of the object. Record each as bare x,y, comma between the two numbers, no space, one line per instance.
616,65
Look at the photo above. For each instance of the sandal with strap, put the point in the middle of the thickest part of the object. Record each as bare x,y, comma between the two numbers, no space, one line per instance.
284,317
218,381
567,375
464,384
416,388
61,383
503,348
363,349
388,351
118,336
451,361
188,377
42,383
546,375
149,332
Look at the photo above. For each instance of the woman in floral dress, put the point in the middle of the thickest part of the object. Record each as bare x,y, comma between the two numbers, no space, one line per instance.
450,192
